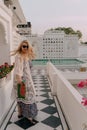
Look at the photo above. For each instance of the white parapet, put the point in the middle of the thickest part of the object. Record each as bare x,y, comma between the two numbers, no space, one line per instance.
69,99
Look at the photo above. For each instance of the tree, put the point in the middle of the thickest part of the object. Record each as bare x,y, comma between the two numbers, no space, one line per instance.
69,30
79,34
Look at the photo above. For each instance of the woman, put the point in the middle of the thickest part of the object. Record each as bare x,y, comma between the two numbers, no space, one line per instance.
22,76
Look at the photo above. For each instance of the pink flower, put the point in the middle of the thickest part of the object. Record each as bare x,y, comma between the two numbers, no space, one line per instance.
84,101
81,84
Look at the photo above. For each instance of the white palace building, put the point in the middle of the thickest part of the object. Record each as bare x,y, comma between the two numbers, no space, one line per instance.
56,44
53,44
58,97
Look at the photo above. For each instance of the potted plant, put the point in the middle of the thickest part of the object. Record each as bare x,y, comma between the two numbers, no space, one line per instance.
5,69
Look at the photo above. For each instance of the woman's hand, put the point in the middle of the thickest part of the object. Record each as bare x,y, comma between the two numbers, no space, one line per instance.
19,79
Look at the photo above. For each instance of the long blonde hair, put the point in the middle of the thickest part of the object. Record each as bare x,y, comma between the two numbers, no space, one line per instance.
30,51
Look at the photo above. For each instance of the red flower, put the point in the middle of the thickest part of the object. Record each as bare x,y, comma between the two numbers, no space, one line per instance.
5,69
6,64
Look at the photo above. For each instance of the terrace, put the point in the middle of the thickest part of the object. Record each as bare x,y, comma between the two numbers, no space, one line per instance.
49,112
58,101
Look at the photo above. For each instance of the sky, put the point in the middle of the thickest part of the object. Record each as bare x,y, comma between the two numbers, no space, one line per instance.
46,14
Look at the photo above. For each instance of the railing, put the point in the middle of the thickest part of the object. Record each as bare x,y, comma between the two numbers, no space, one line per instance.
69,99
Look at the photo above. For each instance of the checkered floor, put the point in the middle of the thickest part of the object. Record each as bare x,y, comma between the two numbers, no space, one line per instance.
48,117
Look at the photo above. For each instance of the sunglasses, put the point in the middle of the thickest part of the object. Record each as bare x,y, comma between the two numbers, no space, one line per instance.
24,46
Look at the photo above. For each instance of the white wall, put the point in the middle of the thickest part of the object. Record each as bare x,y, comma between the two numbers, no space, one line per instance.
5,99
5,28
5,48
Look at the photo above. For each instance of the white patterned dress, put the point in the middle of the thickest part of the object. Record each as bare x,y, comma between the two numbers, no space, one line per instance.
28,104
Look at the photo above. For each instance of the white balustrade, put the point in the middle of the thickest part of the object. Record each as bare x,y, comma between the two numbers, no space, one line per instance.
69,99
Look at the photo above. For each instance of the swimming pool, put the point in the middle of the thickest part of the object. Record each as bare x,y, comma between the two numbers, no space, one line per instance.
57,61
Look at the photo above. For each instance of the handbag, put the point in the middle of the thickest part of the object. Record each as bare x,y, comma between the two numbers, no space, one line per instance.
21,90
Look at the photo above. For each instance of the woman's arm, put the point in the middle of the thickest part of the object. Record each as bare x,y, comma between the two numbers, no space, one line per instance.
18,69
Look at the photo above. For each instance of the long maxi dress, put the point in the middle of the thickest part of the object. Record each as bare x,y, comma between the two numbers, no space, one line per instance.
27,104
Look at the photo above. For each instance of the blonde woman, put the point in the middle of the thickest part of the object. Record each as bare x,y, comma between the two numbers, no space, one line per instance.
22,77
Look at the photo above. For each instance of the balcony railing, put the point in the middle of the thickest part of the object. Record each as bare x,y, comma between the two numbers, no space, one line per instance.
69,99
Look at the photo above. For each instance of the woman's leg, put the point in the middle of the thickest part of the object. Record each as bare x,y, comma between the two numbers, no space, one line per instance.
33,112
31,120
19,110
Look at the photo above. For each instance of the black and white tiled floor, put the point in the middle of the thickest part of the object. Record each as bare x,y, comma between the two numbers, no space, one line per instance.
48,117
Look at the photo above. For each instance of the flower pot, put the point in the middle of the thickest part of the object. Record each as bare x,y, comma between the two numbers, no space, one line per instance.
2,81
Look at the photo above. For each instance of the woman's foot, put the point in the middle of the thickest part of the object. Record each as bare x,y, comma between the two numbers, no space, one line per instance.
32,121
20,116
